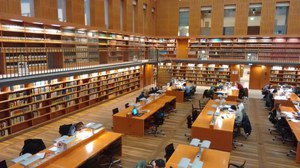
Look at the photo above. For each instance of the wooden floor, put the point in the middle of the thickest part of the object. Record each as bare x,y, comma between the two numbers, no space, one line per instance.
259,150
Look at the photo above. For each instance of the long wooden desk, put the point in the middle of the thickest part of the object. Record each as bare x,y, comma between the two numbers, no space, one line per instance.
135,125
211,158
221,134
295,127
231,95
178,94
287,101
79,154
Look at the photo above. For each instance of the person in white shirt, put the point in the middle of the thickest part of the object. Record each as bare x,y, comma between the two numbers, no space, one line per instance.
238,116
240,105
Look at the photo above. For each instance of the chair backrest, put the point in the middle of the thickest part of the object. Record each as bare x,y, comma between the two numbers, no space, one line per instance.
237,166
246,92
169,150
115,110
33,146
126,105
195,114
189,121
3,164
159,118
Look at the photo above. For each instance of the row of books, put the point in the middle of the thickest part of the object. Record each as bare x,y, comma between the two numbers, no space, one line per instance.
18,103
16,95
17,120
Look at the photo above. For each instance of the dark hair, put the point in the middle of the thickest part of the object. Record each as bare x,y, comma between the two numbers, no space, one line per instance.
79,126
233,107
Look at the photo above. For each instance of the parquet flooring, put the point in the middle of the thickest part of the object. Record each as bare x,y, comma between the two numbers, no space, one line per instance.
259,150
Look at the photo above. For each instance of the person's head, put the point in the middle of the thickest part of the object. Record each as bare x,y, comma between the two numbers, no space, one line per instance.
274,91
79,126
158,163
184,84
233,107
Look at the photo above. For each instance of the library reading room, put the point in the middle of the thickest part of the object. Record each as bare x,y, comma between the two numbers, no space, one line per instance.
150,83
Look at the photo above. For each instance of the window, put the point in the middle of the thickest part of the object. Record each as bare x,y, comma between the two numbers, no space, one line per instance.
229,20
61,9
27,7
205,21
281,18
121,15
87,17
183,29
106,14
144,16
134,4
254,17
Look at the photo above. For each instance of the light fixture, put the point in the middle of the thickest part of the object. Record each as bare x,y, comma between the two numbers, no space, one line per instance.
55,25
95,127
16,20
39,23
251,18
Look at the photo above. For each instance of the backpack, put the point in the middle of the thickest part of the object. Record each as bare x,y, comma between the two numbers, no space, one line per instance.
246,125
67,129
32,146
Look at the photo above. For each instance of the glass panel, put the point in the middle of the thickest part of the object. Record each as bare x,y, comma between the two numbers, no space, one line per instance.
106,15
121,15
87,12
281,18
183,29
205,21
61,8
229,20
254,17
27,7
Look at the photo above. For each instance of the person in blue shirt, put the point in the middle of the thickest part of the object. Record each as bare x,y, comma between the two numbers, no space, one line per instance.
187,91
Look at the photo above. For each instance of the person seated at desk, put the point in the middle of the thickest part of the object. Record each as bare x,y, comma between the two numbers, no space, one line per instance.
240,105
270,99
242,92
142,95
70,129
275,114
187,91
265,90
238,116
158,163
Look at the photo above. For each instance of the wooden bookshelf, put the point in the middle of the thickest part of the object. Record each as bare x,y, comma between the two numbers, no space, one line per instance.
167,47
24,106
283,49
285,75
39,47
200,74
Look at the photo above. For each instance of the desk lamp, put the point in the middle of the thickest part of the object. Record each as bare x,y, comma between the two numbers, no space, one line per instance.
30,160
21,158
185,162
95,127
